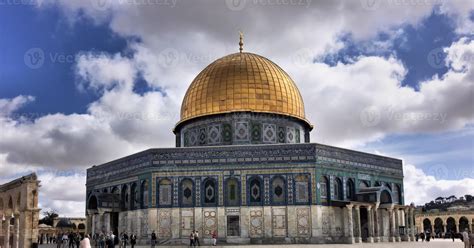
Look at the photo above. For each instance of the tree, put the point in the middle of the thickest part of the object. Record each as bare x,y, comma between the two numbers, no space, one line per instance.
48,218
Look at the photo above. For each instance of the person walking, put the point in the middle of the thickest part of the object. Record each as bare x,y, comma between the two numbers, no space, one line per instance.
191,239
422,236
465,238
214,238
124,240
133,240
196,239
452,235
85,243
153,238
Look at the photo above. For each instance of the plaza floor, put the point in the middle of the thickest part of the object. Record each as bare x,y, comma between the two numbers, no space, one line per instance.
431,244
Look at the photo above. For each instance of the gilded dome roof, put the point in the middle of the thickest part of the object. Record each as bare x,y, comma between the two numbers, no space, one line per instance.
242,82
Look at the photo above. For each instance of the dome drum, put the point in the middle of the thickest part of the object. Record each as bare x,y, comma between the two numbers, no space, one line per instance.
241,128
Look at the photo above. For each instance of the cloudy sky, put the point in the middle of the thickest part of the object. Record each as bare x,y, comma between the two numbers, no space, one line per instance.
83,82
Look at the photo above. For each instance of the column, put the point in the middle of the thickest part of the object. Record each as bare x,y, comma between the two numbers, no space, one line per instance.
397,225
16,230
349,225
412,220
92,217
391,225
357,235
370,221
6,241
376,224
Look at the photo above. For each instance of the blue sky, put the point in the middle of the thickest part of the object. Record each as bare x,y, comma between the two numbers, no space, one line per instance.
107,61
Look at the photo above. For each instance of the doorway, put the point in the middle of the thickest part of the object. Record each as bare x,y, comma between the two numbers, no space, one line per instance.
114,222
364,224
233,226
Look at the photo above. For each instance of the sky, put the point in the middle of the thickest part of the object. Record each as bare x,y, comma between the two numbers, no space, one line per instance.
83,82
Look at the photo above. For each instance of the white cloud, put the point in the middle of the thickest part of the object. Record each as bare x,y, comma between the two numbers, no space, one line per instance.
421,188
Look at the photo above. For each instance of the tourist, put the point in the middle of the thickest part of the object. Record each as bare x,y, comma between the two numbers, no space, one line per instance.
422,236
153,239
214,238
101,240
133,240
428,235
452,235
191,239
85,243
124,240
417,236
465,238
196,239
471,239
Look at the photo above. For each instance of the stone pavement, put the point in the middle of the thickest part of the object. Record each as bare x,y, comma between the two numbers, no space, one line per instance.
431,244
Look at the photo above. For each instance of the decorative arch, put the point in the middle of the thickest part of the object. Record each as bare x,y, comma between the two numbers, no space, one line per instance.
324,188
438,226
1,204
427,225
278,190
398,192
350,189
92,204
105,190
18,202
133,197
338,190
232,192
450,224
10,203
115,190
302,189
165,192
385,197
363,184
255,189
144,191
187,192
378,184
125,200
209,192
463,224
81,226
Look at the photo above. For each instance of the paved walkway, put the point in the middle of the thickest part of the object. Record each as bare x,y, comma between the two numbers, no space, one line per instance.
431,244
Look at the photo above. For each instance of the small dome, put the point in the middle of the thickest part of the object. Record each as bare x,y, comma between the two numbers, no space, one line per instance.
242,82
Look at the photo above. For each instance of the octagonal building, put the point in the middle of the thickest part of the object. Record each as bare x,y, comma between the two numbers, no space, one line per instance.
244,168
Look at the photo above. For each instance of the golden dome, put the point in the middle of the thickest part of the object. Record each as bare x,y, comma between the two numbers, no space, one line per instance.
242,82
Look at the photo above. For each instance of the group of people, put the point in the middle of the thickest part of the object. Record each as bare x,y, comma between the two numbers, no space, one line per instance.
194,238
466,236
110,240
66,240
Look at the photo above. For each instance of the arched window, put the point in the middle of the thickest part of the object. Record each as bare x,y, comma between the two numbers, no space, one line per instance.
450,225
144,194
338,194
232,192
133,197
10,203
399,194
125,200
324,187
350,190
209,192
105,190
302,189
187,192
255,191
438,226
278,190
1,204
378,184
463,224
165,192
92,205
